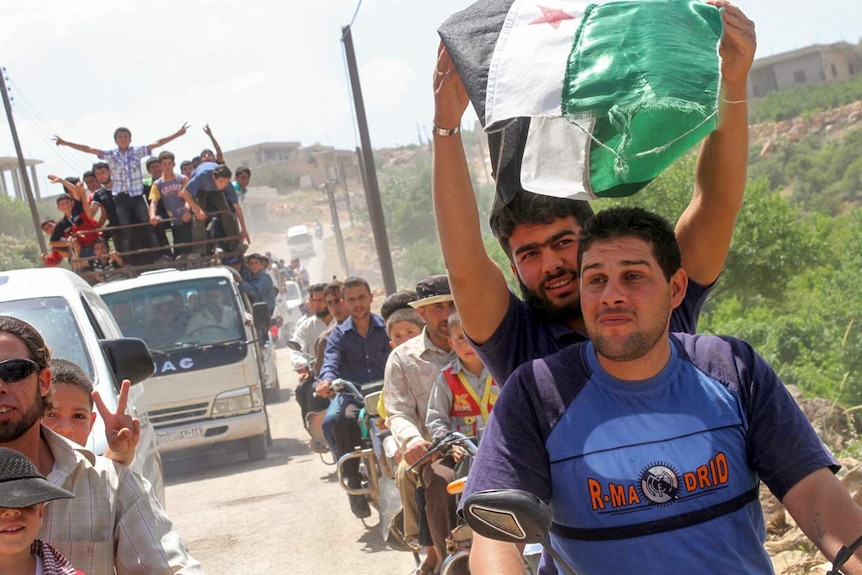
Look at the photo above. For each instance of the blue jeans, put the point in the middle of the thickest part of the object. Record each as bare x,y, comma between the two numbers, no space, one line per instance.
341,429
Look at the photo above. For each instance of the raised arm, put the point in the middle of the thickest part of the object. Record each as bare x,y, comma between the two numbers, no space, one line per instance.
827,514
705,229
80,147
478,285
67,185
166,139
219,155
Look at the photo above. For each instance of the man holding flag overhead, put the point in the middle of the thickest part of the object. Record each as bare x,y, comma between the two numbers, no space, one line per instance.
539,231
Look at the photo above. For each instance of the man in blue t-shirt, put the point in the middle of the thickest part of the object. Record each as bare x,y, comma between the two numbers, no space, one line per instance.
649,446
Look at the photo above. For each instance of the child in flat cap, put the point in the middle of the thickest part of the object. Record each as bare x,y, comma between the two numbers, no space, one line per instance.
23,493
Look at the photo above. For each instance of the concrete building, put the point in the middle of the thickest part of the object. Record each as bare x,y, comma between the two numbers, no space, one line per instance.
810,66
10,165
303,167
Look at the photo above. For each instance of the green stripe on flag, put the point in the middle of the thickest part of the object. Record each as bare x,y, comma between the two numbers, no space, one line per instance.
648,72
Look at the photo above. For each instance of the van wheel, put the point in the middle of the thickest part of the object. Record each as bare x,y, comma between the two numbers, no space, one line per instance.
272,394
256,447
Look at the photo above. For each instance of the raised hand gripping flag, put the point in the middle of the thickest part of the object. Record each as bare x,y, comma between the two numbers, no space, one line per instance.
587,101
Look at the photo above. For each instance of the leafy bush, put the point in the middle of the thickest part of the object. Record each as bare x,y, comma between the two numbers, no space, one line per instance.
786,104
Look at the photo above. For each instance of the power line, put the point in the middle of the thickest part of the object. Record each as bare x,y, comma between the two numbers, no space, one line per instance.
43,128
352,20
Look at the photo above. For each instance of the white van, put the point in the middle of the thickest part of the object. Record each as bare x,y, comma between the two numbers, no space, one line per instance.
209,381
300,242
78,327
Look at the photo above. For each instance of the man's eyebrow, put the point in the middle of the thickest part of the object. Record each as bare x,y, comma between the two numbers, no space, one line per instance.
556,237
626,263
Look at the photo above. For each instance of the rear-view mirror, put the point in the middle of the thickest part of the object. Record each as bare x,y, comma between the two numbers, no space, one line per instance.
129,358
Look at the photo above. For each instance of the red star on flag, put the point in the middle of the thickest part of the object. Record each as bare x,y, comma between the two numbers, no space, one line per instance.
552,16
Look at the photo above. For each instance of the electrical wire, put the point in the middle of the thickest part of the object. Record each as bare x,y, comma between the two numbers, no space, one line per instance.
43,129
355,13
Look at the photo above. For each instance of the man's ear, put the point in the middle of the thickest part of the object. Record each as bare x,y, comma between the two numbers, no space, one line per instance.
45,381
92,420
678,287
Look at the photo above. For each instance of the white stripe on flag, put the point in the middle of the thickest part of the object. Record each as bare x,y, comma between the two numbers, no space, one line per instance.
556,158
525,76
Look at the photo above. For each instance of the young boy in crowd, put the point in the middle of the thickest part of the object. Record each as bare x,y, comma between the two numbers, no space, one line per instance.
72,414
74,232
23,494
105,262
55,257
464,393
402,325
167,189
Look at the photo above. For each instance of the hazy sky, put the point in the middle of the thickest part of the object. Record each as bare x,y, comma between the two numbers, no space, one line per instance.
258,70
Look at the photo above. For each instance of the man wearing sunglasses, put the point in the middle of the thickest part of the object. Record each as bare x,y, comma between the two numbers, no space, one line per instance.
129,531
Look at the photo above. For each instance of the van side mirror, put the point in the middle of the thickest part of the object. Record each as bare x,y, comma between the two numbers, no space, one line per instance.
129,359
260,314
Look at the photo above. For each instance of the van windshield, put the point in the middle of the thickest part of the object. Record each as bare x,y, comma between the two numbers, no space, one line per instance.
178,315
53,318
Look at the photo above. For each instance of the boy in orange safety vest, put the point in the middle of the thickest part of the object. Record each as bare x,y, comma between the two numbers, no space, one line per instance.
464,393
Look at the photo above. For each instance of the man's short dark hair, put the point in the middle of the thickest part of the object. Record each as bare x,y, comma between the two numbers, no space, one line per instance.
37,349
121,130
88,174
184,163
242,170
166,155
64,197
254,256
333,287
196,159
530,209
354,281
398,300
101,166
633,222
152,160
100,241
47,221
206,151
65,372
315,288
222,171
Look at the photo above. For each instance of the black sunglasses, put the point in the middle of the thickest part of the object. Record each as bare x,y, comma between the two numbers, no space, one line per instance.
14,370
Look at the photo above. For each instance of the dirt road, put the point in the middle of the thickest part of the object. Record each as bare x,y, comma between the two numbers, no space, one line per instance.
283,514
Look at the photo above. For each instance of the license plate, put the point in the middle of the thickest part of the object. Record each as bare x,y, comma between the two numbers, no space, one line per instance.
180,434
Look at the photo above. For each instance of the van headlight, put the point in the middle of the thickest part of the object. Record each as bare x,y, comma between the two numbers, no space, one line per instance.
243,399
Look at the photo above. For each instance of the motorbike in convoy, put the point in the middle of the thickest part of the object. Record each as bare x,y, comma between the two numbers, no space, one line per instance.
460,541
377,465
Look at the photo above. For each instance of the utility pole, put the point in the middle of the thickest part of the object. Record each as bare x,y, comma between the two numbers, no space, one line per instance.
336,227
343,179
22,165
372,189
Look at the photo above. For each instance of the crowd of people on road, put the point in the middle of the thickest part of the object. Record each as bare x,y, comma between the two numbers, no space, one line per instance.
115,219
589,392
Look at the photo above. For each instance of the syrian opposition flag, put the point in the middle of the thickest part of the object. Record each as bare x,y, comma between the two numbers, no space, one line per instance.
587,100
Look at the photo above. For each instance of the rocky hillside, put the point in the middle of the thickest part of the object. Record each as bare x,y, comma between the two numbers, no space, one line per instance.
791,551
830,123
